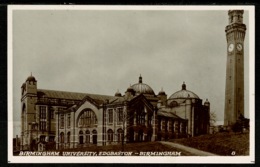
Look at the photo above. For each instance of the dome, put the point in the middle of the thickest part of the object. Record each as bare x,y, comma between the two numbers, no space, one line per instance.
162,92
31,78
142,88
130,89
184,94
206,102
118,94
23,86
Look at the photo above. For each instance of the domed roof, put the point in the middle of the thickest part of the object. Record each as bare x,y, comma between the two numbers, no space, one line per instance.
142,88
130,89
206,102
31,78
162,92
23,86
118,94
184,94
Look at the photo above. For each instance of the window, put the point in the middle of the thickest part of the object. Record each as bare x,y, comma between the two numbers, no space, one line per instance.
51,138
52,113
149,120
80,137
140,118
110,135
68,137
42,138
177,129
166,125
62,121
183,127
87,136
173,126
42,125
42,112
61,137
119,135
120,115
94,136
87,119
110,116
68,120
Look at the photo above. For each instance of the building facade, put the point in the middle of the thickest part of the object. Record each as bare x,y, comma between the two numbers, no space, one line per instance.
234,95
60,120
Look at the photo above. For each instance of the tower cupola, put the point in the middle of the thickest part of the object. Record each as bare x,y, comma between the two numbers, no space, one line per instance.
183,86
140,79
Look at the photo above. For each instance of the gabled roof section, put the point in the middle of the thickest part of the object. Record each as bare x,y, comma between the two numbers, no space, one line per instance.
167,114
142,98
97,100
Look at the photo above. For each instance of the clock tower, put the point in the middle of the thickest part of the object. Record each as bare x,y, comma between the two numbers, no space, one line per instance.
234,95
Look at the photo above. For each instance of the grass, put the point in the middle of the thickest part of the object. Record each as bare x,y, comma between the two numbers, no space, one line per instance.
220,143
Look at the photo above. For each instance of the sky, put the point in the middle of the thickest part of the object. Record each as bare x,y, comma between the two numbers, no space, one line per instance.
102,51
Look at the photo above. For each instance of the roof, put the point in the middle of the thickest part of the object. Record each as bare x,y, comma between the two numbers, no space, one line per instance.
142,88
31,78
99,99
168,114
184,94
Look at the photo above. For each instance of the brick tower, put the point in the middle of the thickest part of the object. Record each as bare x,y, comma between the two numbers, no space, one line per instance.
234,95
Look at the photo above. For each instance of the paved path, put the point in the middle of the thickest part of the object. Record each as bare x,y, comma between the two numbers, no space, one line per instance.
191,150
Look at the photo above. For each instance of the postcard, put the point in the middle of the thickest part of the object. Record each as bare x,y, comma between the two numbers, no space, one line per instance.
131,84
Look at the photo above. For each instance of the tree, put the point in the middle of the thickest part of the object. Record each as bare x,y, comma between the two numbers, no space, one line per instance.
212,118
126,117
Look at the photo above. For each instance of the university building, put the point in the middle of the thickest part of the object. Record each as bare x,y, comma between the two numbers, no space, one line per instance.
71,120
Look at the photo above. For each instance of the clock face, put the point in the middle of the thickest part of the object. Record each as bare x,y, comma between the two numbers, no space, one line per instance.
239,47
231,47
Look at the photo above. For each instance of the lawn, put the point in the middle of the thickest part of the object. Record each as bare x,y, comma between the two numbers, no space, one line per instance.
225,143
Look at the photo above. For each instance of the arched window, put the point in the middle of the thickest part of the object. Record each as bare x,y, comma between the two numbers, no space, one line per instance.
61,137
173,104
166,125
140,135
87,118
140,116
68,137
120,116
149,135
110,116
80,137
62,121
110,135
119,135
173,131
87,136
94,136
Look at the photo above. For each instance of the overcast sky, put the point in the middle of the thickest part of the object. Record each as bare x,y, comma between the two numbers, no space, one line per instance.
101,52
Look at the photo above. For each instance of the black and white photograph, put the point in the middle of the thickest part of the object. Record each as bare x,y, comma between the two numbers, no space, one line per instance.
131,84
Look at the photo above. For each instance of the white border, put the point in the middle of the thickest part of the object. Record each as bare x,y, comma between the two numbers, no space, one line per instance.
134,159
